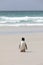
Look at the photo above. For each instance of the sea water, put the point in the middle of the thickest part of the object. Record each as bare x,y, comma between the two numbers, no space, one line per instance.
21,18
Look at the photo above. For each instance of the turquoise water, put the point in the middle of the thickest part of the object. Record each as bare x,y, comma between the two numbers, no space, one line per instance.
14,18
21,13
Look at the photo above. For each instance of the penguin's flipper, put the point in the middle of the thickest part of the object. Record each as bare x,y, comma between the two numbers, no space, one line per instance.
26,46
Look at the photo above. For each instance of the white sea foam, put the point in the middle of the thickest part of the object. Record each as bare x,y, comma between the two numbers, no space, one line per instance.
17,25
13,19
20,21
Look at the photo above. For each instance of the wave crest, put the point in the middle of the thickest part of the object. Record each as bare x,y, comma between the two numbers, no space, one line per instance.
25,19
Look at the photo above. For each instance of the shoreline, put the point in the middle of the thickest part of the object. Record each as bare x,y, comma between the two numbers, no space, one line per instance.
19,25
21,29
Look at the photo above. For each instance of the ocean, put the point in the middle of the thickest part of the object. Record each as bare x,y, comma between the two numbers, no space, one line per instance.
21,18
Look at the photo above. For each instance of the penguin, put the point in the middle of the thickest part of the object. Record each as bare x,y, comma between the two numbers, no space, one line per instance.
22,45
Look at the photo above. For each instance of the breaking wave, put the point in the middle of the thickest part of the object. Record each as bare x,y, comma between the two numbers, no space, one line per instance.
20,20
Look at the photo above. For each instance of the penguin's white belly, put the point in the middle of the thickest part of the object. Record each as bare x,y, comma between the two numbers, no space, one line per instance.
22,46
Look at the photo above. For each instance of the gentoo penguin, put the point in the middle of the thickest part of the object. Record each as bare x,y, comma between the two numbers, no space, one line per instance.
22,45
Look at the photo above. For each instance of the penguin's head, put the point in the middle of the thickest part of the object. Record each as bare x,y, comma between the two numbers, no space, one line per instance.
23,39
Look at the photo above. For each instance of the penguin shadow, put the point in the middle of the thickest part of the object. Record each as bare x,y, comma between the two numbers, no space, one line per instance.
28,51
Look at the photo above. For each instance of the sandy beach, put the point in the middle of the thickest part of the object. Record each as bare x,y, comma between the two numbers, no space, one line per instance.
10,38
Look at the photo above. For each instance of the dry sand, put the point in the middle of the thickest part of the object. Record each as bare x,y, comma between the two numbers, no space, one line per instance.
9,45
